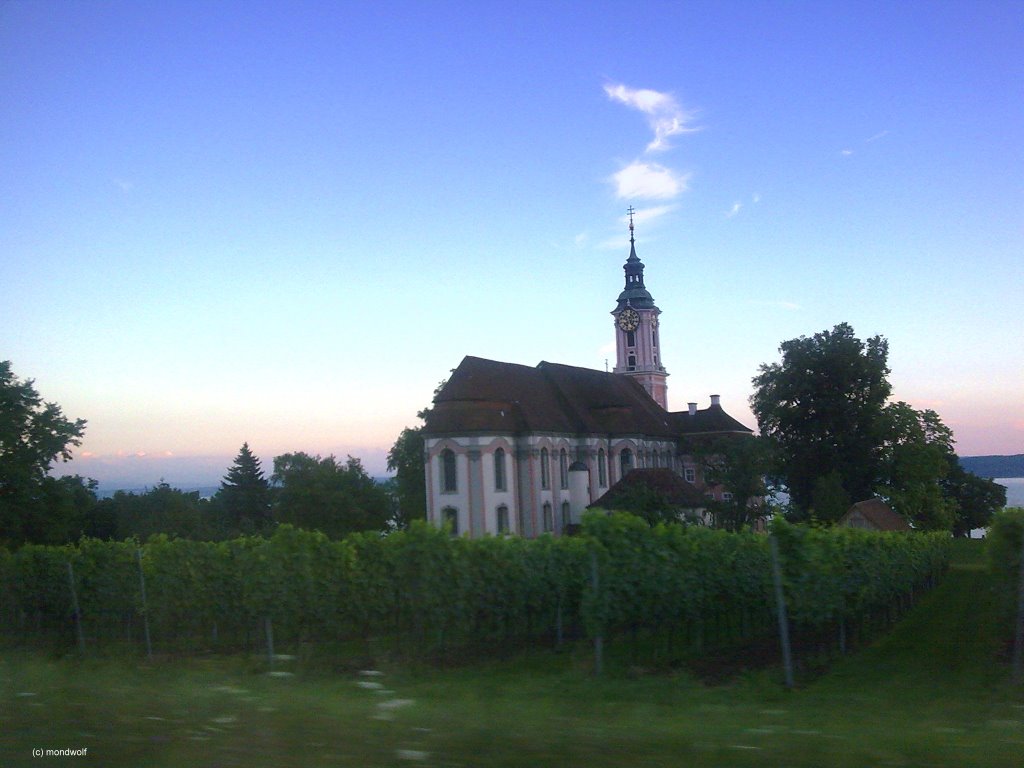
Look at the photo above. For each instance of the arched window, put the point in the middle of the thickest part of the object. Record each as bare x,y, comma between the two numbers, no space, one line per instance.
549,519
449,478
625,462
563,468
545,469
450,516
630,339
499,470
502,519
602,469
566,515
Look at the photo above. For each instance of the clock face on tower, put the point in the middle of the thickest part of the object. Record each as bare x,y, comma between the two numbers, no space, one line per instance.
628,319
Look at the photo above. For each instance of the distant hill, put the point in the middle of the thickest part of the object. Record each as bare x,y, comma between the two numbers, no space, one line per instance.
994,466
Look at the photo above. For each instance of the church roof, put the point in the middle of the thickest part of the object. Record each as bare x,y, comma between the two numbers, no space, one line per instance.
671,487
708,421
487,396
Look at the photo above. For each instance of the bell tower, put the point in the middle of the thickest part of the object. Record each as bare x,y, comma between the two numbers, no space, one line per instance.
637,346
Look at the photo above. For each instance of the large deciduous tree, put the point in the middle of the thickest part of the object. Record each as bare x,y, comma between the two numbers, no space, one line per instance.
33,435
822,408
406,460
914,462
244,494
977,499
739,463
321,494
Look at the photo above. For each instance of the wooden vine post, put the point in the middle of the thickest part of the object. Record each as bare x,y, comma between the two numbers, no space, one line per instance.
595,584
780,604
74,607
145,605
1018,635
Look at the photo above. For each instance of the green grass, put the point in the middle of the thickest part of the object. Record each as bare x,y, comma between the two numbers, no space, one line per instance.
933,692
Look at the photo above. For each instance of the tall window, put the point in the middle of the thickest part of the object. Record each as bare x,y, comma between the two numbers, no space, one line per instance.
690,475
499,470
563,468
450,515
502,519
630,339
449,478
549,519
602,469
625,461
566,515
545,469
655,458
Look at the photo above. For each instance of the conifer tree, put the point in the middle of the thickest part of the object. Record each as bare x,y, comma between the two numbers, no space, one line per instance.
245,494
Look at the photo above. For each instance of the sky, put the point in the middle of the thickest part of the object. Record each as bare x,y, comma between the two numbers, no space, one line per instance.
284,223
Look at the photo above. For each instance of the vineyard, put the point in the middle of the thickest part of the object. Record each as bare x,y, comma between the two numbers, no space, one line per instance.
420,592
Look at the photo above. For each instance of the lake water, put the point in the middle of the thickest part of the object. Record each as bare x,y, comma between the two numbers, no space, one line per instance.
1014,490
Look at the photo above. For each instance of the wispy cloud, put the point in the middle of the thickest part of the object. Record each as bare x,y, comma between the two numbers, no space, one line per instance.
880,135
664,114
756,198
649,181
734,210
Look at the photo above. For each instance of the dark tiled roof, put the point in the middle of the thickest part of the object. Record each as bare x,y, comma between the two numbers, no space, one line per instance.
711,419
879,514
486,396
677,492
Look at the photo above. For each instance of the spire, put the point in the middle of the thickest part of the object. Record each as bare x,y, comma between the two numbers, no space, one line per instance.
632,242
634,293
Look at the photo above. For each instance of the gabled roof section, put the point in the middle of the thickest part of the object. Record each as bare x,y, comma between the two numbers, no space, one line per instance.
507,398
879,514
711,420
676,492
486,396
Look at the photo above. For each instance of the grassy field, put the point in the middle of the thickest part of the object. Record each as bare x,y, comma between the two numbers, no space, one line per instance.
933,692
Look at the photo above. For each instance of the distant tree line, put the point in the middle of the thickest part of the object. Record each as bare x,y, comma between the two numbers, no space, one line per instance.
336,498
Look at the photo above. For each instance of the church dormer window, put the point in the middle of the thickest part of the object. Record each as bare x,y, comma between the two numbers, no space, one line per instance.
499,470
625,462
449,479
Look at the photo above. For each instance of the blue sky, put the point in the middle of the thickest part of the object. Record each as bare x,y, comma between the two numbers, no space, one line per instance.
283,223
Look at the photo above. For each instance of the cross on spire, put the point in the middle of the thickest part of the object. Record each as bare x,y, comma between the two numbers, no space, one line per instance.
631,211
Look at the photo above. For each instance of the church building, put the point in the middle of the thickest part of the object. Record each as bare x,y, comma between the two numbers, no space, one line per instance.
524,450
